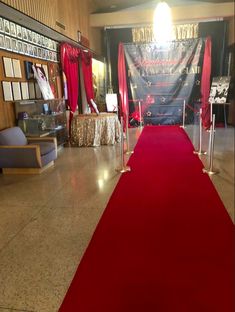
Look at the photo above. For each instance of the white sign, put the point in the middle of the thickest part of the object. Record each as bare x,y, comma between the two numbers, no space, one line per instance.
111,102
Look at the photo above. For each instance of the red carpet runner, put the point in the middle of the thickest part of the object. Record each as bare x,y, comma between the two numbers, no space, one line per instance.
164,243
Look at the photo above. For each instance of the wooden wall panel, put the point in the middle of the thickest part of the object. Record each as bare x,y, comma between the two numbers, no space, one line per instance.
38,9
84,18
60,16
73,14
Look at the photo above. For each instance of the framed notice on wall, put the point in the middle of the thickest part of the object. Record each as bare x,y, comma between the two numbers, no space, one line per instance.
16,91
20,46
32,94
25,90
7,43
8,68
13,29
6,24
7,91
14,44
16,68
1,41
1,25
19,31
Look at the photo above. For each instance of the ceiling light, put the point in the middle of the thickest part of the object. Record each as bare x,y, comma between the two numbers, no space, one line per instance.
162,23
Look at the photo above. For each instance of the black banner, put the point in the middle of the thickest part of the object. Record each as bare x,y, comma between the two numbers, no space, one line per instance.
160,79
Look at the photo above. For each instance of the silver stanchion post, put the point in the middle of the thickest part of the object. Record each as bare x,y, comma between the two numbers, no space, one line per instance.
211,111
200,152
211,170
210,130
140,113
128,151
123,168
183,117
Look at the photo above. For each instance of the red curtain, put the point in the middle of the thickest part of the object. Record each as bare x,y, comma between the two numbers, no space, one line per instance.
205,85
86,58
123,93
69,61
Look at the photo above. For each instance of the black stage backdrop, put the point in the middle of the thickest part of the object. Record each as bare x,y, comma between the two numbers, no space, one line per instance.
218,33
113,38
162,78
217,30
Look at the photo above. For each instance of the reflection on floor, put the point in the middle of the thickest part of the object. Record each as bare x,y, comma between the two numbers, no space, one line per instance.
46,221
223,161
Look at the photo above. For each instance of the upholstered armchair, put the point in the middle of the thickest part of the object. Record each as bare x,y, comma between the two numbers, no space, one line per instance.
19,154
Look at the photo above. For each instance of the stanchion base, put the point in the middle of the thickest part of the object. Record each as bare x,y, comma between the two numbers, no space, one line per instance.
129,152
199,153
123,169
208,171
183,127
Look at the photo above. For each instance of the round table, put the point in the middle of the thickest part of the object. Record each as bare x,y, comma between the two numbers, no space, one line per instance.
95,130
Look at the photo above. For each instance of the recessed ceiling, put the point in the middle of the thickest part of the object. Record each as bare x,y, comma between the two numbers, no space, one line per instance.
107,6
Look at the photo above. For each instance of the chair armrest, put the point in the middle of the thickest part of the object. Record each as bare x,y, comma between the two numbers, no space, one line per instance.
16,156
44,139
18,146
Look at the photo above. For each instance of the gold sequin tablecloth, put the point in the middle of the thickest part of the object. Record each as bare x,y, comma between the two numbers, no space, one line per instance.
95,130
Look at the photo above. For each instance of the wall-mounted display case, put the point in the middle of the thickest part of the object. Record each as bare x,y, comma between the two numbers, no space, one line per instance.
41,118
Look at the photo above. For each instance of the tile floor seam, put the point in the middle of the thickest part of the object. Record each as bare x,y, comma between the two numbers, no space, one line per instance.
32,219
15,309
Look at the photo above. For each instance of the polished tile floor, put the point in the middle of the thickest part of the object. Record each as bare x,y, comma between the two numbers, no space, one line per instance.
46,221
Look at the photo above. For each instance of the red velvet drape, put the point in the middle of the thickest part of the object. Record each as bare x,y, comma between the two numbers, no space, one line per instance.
69,61
86,58
123,93
205,84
